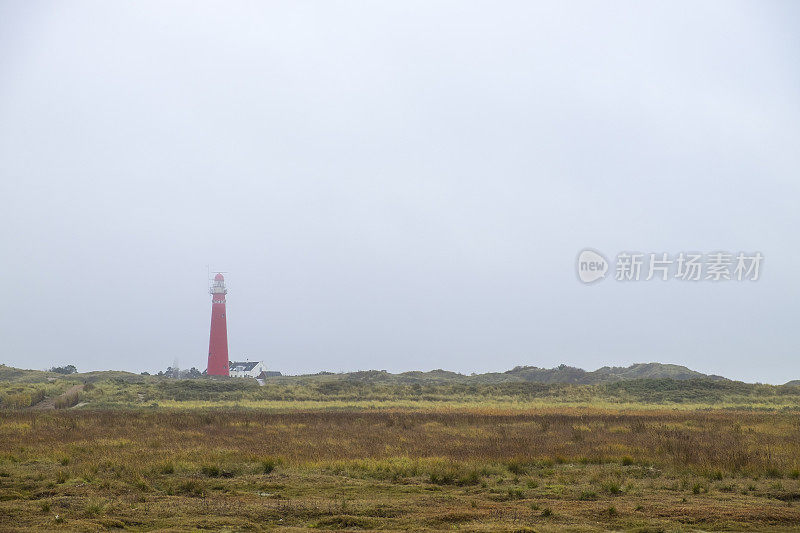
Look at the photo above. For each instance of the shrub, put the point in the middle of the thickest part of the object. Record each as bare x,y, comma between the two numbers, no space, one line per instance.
191,487
442,478
211,470
68,369
612,487
22,398
472,477
516,494
94,508
68,400
517,467
268,465
447,473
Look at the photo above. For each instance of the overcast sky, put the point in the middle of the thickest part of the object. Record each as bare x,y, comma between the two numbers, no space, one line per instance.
396,185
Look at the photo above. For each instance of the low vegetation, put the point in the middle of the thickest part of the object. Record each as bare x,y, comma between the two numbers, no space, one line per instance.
477,469
376,451
21,389
21,395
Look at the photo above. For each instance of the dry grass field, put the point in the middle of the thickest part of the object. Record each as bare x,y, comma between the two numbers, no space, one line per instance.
471,469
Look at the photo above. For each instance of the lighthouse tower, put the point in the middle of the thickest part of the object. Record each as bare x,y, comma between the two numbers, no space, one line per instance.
218,344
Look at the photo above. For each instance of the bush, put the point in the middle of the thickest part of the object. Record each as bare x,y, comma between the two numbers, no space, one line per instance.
191,487
612,487
268,465
68,369
517,467
453,474
211,470
94,508
516,494
68,400
20,398
205,389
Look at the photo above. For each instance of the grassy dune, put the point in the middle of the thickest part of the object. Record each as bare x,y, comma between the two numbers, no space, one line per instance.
371,451
336,392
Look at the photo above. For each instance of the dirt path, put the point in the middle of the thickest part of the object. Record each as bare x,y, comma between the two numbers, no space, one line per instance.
50,403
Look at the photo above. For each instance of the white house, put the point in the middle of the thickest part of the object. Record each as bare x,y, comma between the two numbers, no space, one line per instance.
247,369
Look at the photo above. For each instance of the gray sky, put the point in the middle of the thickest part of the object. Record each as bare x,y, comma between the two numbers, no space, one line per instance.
396,185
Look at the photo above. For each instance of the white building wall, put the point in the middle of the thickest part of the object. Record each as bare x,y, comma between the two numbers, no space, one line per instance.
255,372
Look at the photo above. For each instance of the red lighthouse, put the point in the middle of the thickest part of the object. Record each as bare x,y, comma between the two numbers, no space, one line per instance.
218,344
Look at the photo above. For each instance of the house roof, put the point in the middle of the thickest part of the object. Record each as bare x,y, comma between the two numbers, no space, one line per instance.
239,366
